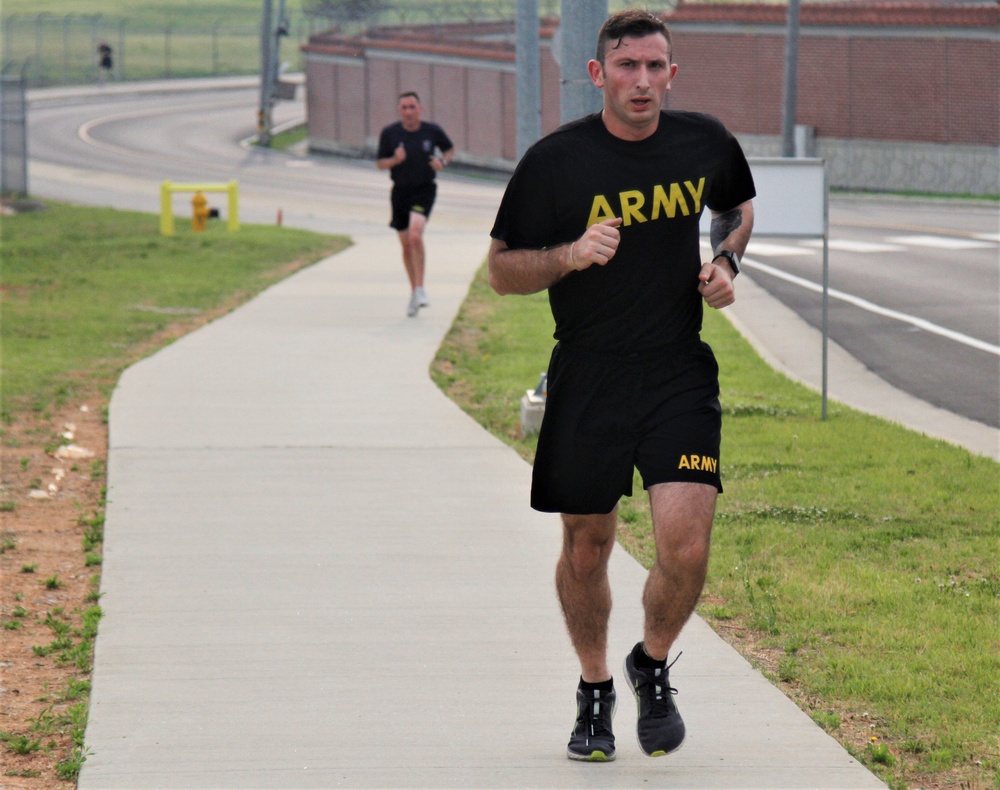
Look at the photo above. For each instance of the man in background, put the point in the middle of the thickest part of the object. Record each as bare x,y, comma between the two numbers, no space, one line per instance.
413,151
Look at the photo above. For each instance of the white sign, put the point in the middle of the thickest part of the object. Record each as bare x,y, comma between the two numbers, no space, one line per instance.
792,201
791,198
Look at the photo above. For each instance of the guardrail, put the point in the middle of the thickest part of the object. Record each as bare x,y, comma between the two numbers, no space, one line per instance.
167,189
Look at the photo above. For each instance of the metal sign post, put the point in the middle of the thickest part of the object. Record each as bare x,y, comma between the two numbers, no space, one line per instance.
793,201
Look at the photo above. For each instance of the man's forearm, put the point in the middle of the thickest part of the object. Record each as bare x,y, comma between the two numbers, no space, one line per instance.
731,229
527,271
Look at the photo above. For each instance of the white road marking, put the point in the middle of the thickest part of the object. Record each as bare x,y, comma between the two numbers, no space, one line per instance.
774,250
84,131
849,245
940,242
871,307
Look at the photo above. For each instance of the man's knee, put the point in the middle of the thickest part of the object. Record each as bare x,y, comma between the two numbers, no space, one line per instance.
588,541
688,556
417,222
682,523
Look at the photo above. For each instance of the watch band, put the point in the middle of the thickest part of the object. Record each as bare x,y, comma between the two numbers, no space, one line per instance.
732,257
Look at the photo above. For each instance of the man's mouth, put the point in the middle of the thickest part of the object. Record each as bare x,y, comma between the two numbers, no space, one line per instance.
641,102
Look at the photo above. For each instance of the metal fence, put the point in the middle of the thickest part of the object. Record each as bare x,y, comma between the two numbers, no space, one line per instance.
462,11
63,49
13,134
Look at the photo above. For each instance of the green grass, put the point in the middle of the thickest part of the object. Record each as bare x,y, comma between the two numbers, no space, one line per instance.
862,556
20,744
147,14
86,290
286,139
58,39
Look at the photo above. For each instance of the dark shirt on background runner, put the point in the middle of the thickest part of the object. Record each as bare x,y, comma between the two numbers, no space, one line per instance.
420,145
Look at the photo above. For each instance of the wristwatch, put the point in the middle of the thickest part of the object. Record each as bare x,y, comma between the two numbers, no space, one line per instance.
732,257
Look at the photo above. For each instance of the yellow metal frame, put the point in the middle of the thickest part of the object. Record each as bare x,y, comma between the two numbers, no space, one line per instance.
167,189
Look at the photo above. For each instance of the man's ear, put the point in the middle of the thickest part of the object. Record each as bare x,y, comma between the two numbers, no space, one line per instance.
596,71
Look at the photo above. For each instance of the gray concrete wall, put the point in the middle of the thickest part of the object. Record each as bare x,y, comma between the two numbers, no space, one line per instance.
898,167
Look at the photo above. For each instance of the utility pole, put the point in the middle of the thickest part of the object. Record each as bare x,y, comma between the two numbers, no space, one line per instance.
528,65
270,45
791,74
264,109
579,21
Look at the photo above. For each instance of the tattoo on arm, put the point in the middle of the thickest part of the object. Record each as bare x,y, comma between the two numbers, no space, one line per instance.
723,225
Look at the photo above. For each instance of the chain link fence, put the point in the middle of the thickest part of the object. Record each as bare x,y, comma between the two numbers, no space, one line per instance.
64,49
372,13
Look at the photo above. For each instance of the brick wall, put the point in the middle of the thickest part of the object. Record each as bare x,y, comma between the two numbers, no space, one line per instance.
912,74
898,72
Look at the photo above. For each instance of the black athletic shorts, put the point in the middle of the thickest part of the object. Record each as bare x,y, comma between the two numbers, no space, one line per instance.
411,198
605,415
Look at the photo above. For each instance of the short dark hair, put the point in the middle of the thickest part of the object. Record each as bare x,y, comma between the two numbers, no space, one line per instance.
631,22
407,94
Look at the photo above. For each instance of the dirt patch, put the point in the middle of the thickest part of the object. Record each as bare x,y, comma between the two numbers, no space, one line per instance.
49,504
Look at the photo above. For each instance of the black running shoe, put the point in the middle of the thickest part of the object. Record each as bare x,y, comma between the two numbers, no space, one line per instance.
660,729
592,738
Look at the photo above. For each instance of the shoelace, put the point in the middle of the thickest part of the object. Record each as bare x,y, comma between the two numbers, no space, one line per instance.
595,719
658,704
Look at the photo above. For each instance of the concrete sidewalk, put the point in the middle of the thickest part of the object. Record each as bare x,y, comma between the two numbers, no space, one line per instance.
319,572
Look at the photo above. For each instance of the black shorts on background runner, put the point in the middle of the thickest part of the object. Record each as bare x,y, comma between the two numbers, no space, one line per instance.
607,414
411,198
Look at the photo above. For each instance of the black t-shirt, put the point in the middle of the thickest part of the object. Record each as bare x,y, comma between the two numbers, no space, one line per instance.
416,169
647,295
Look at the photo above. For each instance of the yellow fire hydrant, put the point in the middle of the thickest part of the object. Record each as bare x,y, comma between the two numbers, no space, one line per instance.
199,217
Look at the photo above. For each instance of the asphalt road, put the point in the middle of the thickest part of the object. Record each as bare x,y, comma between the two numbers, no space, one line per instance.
915,294
131,143
916,283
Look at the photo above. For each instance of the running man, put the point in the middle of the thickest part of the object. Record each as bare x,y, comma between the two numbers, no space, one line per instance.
604,213
413,151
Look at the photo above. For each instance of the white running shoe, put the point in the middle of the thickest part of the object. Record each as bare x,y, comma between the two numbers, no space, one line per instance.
414,306
422,300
